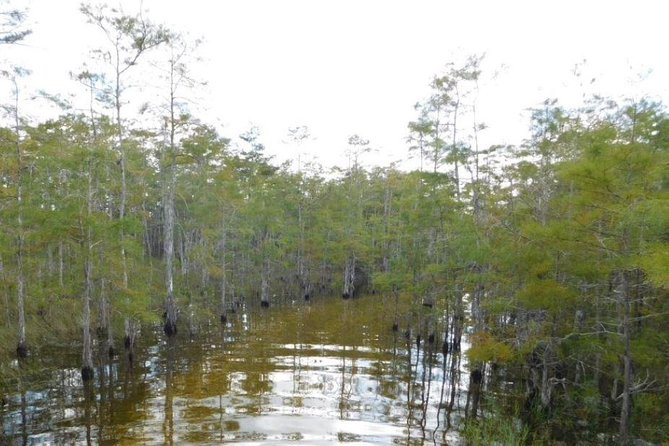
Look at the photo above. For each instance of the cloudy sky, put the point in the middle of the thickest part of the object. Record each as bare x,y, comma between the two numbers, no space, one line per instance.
358,66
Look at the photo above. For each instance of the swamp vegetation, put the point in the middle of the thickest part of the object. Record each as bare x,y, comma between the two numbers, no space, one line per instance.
508,294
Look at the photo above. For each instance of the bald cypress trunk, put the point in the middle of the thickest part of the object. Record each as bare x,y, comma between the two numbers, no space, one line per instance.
349,277
169,190
623,292
168,243
87,354
224,307
22,345
264,283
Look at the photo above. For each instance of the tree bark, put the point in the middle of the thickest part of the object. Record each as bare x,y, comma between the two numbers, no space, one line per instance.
169,190
264,283
223,246
349,277
87,354
624,297
22,345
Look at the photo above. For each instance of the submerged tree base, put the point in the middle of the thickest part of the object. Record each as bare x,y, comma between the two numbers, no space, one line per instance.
87,373
445,348
170,328
22,350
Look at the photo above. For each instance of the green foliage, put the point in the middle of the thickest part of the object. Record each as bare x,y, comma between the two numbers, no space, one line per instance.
536,238
485,348
546,294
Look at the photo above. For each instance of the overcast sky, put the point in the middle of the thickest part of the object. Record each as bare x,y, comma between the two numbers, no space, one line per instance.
358,66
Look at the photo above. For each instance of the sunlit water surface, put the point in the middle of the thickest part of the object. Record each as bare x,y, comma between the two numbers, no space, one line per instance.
323,372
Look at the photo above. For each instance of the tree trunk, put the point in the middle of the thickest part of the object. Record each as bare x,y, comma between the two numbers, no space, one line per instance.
624,296
454,145
169,190
22,345
474,392
349,277
264,284
386,227
61,265
87,354
105,313
224,307
302,271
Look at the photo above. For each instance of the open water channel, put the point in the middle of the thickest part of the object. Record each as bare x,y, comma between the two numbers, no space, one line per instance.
323,372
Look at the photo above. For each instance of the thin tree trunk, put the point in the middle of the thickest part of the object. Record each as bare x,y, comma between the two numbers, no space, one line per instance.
169,177
168,242
302,272
224,307
61,265
455,149
130,330
264,283
349,277
105,313
87,354
386,226
22,346
624,297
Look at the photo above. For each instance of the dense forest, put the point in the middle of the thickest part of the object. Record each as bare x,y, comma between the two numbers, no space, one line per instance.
552,256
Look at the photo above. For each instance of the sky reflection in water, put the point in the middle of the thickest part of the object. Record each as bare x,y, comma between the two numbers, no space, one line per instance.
326,372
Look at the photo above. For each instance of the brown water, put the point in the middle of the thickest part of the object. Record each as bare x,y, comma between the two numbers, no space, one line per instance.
324,372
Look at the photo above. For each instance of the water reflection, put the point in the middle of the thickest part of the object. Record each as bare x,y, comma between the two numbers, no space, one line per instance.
318,373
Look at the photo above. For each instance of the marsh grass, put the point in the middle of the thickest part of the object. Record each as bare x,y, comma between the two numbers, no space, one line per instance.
499,430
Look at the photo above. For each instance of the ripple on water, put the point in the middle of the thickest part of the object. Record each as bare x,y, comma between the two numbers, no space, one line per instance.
323,379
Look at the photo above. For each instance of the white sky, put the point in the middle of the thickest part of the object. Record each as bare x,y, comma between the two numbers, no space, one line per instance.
358,66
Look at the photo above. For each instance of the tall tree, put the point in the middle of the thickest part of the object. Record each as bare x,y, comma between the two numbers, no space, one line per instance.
129,38
13,110
177,75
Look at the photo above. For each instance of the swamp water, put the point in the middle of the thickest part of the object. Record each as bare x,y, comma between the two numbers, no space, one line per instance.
322,372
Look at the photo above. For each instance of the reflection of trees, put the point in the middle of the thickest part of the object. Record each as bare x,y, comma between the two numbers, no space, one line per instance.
56,407
409,384
426,383
442,391
257,382
350,337
106,392
89,404
341,356
258,368
24,417
168,422
344,395
121,405
454,383
194,374
259,363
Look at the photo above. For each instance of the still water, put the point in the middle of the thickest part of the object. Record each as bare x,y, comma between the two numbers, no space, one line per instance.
324,372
